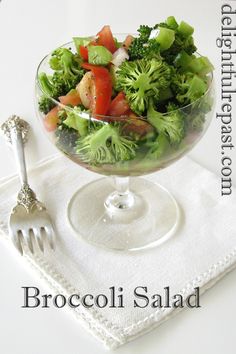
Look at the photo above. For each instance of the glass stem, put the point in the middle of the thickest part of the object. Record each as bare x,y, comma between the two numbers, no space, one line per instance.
121,198
122,185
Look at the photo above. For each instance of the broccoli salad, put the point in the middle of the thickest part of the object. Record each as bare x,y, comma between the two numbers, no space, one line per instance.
108,101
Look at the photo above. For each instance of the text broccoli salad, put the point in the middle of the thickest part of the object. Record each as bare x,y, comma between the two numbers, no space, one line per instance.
150,75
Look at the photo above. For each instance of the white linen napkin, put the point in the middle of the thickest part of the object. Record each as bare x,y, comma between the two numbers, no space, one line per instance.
200,253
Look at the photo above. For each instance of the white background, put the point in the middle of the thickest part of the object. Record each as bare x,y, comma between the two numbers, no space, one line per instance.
29,30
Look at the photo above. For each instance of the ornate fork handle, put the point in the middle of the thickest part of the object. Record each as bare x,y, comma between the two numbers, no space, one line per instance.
27,199
16,131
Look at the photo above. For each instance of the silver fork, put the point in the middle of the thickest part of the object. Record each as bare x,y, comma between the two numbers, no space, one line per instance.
28,219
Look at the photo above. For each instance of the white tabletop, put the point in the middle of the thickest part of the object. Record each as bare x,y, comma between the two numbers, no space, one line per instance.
28,30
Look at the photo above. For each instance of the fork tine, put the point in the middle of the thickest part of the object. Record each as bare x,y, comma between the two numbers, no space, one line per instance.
47,235
50,235
16,239
39,238
27,236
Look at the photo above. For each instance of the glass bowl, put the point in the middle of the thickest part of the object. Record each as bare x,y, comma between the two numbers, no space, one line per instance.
125,212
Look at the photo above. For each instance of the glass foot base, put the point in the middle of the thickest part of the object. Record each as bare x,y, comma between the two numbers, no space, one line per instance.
151,218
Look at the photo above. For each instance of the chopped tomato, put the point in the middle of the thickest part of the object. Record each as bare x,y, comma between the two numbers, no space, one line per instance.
106,39
119,105
83,52
51,119
128,40
103,88
72,98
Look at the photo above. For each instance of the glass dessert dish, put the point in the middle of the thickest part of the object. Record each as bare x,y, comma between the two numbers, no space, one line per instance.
124,212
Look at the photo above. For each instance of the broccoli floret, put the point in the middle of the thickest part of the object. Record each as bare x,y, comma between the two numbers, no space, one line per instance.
190,89
66,139
165,95
178,45
142,79
158,147
189,46
62,115
49,91
178,82
105,146
181,42
47,85
144,32
66,136
45,104
51,86
199,109
152,49
68,71
76,121
61,86
171,40
170,124
67,65
142,46
144,49
67,74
